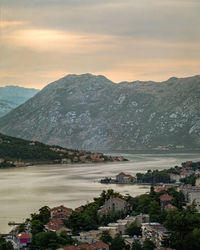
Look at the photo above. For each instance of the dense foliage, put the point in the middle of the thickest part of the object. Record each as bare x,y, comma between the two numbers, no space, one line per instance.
4,245
154,176
12,148
133,229
88,219
46,240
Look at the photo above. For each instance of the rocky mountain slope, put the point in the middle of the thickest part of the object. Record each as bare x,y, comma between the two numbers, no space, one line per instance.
13,96
91,112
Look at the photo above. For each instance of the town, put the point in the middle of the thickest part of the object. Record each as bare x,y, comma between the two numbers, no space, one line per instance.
167,217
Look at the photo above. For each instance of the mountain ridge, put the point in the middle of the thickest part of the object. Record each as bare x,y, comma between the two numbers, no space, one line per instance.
13,96
92,112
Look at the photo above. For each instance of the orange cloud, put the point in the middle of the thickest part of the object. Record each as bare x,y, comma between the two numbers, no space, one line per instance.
55,40
7,24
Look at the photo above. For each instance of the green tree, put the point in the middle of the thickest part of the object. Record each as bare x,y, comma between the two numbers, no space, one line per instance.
4,245
45,214
105,237
192,240
136,245
117,243
148,245
36,226
133,229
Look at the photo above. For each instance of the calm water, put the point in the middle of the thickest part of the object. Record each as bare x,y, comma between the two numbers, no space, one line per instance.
25,190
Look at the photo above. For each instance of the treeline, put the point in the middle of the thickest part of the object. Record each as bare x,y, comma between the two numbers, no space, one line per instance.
154,176
12,148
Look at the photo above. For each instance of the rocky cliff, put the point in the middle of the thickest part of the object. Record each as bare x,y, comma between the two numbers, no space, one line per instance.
91,112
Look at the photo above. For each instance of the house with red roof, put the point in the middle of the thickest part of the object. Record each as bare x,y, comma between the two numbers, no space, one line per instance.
23,239
99,245
56,225
159,189
125,178
170,207
61,212
165,199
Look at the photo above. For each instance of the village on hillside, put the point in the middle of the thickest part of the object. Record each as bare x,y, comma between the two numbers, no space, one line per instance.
112,221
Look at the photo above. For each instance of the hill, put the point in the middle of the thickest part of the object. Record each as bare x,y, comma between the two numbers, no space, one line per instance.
92,112
12,96
19,152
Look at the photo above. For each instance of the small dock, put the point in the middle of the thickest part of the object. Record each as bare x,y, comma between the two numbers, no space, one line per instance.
13,223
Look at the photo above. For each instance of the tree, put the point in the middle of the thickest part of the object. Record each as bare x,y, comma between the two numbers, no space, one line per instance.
133,229
45,214
192,240
36,226
148,245
105,237
117,243
136,245
4,245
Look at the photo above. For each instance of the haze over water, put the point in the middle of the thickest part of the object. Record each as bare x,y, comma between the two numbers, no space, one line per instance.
24,190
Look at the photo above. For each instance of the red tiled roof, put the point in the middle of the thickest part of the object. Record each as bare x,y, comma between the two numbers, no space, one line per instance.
127,175
166,197
23,235
161,189
54,224
85,247
122,173
69,248
119,199
170,206
93,246
61,207
99,244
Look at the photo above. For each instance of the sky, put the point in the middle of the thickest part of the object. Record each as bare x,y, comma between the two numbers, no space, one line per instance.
125,40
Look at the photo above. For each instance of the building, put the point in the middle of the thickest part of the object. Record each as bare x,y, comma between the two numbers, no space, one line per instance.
197,183
159,189
191,193
23,239
155,232
56,225
165,199
61,212
141,218
175,178
99,245
114,204
88,237
112,230
125,178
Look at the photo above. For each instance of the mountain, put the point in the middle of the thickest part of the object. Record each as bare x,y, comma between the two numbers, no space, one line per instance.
13,96
92,112
18,152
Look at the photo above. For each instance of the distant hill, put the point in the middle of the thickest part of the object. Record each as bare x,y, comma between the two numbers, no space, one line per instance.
19,152
93,113
12,96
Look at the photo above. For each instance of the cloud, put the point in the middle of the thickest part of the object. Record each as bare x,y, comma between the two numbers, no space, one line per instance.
123,39
46,40
7,24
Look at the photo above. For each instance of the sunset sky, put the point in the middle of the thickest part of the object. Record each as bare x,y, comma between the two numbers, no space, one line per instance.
43,40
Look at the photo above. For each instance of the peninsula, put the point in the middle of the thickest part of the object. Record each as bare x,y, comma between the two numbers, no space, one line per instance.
16,152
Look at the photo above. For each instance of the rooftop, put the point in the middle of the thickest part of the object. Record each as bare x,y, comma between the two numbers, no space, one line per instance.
166,197
23,235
